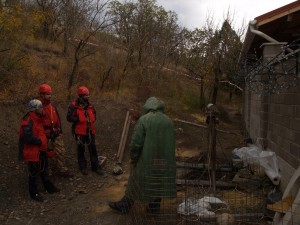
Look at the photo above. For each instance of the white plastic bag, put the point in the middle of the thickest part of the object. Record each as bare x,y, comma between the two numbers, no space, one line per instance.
266,159
198,207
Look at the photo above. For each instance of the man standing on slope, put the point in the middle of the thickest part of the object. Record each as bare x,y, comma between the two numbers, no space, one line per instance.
83,116
52,125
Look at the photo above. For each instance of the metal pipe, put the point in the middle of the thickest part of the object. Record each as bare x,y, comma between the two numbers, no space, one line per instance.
253,30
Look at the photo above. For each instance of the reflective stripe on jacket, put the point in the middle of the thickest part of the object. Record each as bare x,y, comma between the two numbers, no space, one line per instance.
33,137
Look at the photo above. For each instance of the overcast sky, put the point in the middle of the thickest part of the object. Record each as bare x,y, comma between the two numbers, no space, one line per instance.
193,13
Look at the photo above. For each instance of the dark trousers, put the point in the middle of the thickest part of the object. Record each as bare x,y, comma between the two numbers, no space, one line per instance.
36,170
88,140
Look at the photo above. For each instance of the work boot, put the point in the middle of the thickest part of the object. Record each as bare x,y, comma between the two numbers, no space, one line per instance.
37,197
122,206
52,189
99,172
154,207
84,171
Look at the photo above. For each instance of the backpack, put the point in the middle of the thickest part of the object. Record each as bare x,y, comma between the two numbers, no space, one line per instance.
21,142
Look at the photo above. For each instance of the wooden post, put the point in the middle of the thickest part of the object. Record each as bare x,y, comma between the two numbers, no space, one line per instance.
123,137
127,125
123,134
212,142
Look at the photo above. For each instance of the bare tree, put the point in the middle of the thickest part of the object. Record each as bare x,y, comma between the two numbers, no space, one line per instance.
94,19
149,35
227,48
49,10
211,54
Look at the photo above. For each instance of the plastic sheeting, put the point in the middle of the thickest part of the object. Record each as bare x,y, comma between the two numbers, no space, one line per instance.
266,159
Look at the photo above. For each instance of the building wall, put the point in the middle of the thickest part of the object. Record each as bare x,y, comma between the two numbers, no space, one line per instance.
252,115
274,123
283,134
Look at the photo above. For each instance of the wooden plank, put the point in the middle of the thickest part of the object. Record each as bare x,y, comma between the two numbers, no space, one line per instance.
201,166
124,139
282,206
205,183
191,165
123,134
243,217
203,126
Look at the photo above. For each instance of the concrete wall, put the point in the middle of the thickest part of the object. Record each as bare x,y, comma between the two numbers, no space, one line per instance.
274,122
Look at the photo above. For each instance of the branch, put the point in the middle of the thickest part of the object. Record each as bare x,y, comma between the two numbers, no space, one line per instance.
203,126
232,84
4,50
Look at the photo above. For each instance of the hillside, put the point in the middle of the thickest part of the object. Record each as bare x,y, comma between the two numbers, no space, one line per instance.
118,82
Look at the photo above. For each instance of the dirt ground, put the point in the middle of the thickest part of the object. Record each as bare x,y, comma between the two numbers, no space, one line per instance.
83,199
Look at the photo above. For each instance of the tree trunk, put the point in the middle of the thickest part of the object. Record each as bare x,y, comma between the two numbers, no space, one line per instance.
71,78
74,69
128,60
230,95
105,77
45,29
202,100
66,43
216,85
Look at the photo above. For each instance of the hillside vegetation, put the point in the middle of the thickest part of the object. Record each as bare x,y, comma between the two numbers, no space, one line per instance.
124,53
115,49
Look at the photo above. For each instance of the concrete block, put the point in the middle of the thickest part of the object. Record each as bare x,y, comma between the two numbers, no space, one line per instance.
297,138
295,124
287,110
295,150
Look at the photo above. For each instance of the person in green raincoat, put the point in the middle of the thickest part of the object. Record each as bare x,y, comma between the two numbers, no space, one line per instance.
152,155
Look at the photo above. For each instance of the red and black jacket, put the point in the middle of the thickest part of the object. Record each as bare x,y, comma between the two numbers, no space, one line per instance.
51,119
32,137
83,118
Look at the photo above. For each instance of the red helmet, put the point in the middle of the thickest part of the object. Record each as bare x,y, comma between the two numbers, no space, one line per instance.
83,91
45,88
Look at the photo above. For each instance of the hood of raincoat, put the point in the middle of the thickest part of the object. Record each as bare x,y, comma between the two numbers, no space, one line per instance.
153,104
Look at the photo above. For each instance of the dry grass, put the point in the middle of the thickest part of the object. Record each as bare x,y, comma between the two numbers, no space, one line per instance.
237,199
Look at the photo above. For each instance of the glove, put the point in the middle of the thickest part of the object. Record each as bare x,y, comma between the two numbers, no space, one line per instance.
50,151
54,134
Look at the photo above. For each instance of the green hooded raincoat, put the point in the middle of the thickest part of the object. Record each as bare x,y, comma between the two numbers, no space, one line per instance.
152,150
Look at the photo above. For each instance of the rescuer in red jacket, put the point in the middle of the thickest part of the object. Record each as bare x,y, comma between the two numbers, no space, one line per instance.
52,125
34,143
83,116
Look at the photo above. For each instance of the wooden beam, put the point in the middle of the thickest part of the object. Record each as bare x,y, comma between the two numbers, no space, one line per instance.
203,126
205,183
123,135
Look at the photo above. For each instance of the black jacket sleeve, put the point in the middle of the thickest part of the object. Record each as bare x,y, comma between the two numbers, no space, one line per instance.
94,111
60,127
28,137
70,115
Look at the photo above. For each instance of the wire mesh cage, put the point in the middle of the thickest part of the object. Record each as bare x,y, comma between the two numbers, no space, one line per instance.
244,191
240,197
